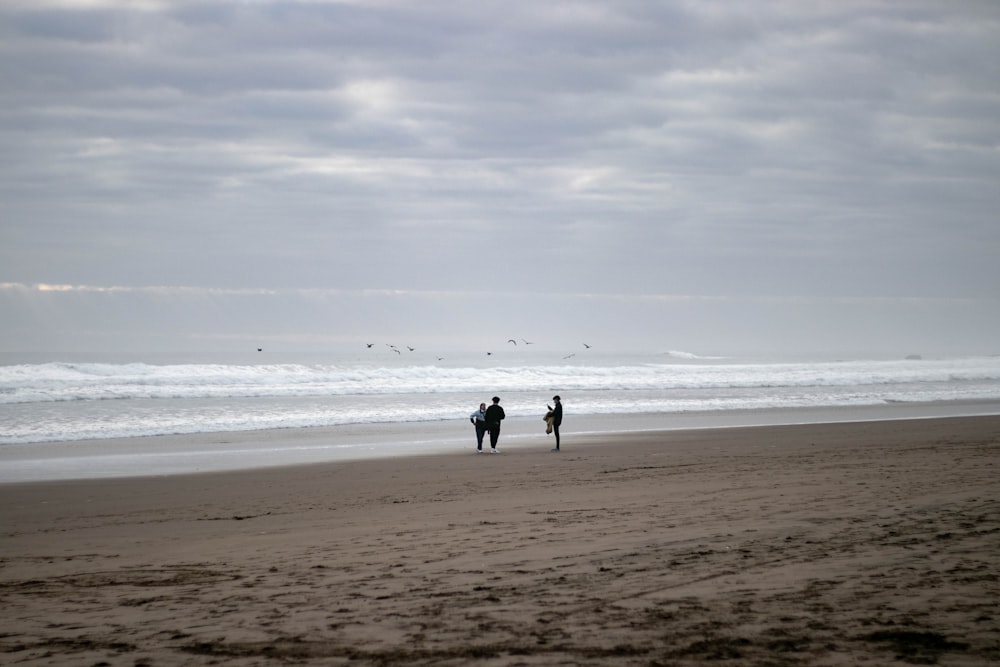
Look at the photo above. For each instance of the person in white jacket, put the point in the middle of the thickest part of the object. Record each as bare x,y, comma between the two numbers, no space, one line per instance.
478,419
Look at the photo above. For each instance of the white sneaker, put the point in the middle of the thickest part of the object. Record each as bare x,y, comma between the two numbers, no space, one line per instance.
494,451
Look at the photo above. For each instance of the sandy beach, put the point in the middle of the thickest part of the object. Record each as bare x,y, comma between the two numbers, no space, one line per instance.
871,543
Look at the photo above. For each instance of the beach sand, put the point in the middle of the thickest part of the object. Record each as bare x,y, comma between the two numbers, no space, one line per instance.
873,543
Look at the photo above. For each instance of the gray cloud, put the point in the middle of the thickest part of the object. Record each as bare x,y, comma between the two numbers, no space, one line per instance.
767,150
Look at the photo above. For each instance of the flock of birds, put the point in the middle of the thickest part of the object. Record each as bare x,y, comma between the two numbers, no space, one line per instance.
488,354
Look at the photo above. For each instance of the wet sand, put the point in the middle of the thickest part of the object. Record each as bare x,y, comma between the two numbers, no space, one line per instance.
828,544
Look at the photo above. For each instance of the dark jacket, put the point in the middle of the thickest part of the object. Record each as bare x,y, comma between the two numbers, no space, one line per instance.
494,414
557,414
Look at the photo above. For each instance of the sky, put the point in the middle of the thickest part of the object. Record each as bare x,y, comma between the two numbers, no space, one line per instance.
708,176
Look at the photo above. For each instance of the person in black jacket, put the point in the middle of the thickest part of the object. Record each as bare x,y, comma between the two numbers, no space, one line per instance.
494,414
556,419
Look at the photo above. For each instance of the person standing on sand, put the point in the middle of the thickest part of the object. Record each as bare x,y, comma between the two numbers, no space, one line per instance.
494,414
478,419
556,418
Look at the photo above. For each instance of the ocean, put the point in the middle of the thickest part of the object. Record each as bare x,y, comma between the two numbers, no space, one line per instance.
75,403
78,401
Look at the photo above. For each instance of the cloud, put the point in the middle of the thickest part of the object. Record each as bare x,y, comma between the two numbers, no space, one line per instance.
788,150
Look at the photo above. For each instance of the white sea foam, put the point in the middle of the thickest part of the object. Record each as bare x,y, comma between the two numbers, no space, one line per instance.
75,382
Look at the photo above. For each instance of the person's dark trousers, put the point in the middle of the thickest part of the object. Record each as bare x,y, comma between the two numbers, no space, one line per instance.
555,431
480,432
494,436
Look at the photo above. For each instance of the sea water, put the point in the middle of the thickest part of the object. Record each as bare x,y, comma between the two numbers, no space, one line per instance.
67,401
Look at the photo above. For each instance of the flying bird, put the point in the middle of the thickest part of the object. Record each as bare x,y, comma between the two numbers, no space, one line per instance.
511,340
527,342
409,348
369,345
586,346
569,355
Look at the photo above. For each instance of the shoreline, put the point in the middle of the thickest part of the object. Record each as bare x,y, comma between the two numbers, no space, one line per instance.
871,542
161,455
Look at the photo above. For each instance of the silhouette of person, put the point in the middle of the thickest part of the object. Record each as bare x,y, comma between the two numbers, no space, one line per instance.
494,414
556,419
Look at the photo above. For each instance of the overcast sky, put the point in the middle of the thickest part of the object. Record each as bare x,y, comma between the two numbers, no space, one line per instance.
668,174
